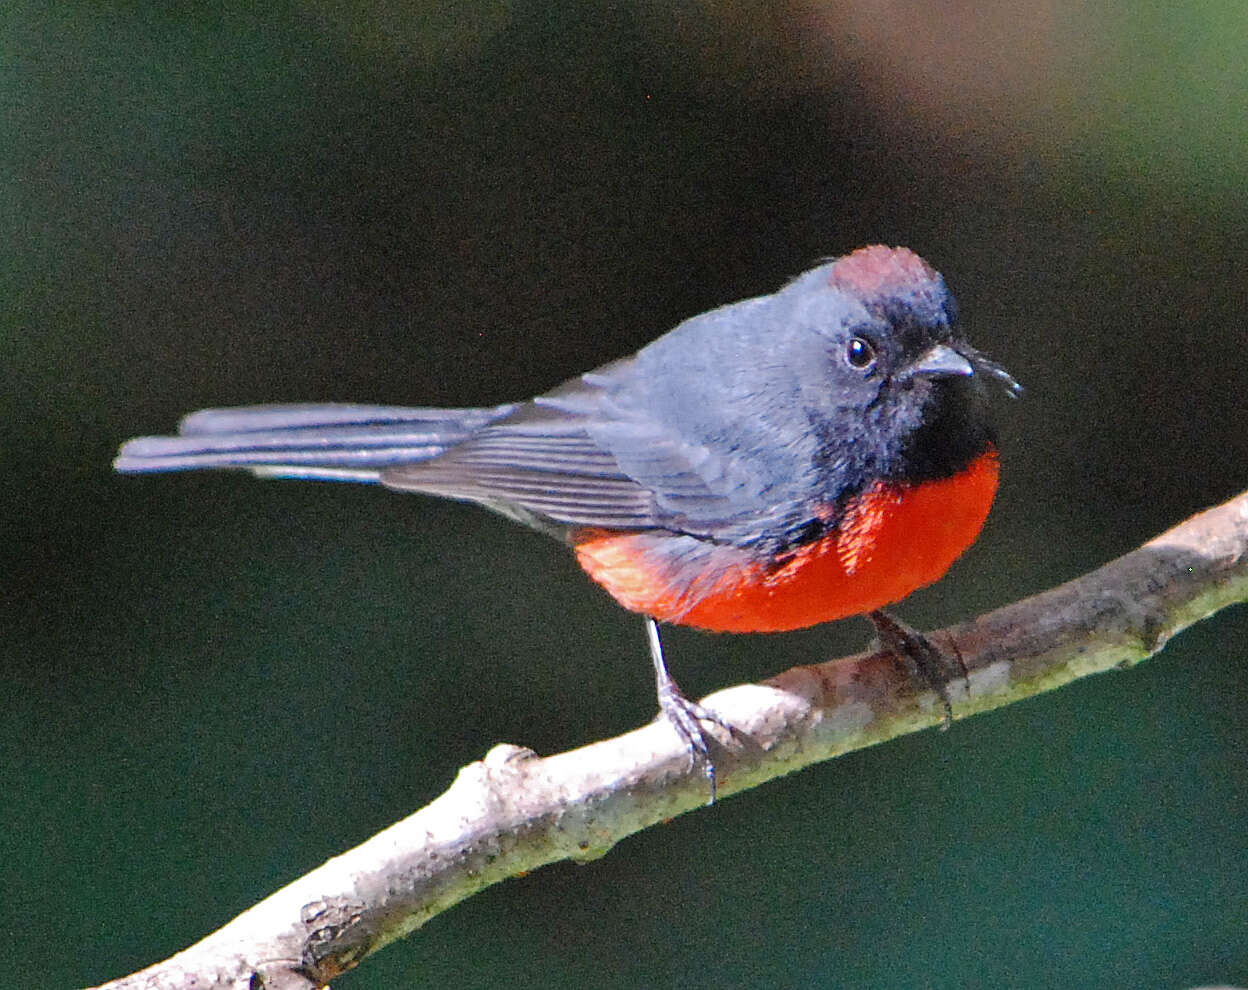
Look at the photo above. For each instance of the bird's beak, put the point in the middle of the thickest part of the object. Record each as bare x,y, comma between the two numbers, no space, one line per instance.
942,361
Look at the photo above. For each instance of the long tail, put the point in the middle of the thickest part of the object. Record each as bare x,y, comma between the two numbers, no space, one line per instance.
327,442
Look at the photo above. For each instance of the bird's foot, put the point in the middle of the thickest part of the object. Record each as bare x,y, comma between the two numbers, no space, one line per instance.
926,662
684,715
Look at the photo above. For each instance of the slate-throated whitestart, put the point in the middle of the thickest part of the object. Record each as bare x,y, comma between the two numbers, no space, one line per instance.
779,462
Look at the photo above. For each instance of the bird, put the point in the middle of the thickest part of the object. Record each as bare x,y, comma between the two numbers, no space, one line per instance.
787,460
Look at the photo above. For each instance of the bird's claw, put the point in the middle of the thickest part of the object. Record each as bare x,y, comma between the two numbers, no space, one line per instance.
926,661
686,717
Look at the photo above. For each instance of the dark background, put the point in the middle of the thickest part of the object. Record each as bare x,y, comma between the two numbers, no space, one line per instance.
213,684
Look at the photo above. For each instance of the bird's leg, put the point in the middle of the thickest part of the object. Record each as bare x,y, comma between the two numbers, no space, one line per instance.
684,715
926,661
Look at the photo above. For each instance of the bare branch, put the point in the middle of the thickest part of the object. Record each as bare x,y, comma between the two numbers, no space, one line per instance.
515,811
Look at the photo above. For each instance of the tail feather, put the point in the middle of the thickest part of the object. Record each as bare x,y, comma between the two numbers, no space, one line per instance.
333,442
249,419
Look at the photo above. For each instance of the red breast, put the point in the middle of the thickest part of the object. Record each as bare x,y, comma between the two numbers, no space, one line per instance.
889,541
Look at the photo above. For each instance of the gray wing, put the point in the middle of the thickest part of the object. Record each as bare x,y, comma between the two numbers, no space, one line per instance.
587,455
597,452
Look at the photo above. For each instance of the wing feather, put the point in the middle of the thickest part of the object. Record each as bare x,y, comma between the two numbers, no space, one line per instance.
577,457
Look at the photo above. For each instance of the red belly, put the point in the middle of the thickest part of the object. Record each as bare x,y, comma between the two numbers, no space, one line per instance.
891,540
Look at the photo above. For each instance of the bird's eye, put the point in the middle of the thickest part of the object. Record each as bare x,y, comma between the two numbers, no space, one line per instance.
859,353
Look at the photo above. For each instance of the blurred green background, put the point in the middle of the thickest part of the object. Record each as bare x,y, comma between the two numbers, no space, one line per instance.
213,684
